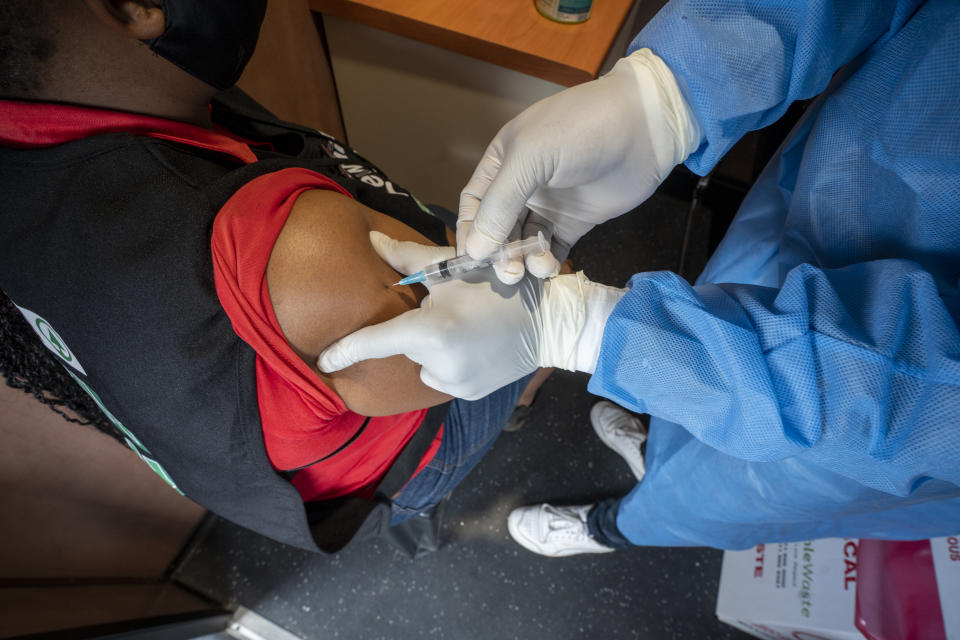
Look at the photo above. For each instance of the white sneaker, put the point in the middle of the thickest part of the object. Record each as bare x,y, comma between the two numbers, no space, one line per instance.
621,431
553,531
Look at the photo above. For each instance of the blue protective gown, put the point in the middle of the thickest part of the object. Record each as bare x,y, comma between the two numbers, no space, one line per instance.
809,384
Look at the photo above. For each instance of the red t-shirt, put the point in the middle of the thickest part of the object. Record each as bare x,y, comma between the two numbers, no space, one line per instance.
303,420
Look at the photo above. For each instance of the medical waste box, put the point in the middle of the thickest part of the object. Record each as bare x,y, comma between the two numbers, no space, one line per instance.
826,589
792,591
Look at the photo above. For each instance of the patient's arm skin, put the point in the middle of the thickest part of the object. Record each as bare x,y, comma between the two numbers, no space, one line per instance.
326,281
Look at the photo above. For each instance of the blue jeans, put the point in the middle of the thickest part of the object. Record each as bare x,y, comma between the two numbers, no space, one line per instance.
469,430
602,524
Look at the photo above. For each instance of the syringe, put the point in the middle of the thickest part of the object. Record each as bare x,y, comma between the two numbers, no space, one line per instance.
456,267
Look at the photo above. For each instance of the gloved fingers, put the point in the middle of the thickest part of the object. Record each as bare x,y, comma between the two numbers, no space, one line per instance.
503,204
542,264
388,338
475,189
408,257
567,228
463,230
510,271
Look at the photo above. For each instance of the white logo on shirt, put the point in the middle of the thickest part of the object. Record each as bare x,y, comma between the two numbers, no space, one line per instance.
51,339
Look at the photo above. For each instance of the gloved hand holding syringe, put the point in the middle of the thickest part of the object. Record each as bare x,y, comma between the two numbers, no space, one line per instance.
556,322
461,265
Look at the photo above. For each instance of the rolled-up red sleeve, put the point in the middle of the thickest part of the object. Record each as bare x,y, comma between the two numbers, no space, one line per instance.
303,420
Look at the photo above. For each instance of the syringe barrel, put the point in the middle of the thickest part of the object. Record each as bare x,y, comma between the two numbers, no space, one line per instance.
455,267
534,244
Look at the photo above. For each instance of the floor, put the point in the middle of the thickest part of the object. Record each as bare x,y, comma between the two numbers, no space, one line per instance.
480,584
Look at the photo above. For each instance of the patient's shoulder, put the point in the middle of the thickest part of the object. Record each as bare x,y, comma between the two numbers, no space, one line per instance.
323,267
326,281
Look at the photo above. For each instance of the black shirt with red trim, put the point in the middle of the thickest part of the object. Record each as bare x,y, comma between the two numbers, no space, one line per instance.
106,250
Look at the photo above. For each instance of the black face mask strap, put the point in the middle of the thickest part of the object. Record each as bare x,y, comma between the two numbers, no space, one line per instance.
211,40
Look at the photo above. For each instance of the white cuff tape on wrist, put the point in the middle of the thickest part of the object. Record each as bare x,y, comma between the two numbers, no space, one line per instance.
573,314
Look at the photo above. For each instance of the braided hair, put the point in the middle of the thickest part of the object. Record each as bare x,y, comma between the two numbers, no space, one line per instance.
27,365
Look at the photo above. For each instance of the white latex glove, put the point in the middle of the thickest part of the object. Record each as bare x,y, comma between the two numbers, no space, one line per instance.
476,334
576,159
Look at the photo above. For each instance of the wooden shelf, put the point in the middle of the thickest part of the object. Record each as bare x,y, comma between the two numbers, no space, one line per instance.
509,33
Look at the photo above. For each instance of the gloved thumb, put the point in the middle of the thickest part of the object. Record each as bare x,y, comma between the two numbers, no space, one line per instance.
408,257
545,264
376,341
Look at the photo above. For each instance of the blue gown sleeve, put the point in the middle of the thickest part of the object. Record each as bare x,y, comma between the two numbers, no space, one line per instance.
857,369
740,64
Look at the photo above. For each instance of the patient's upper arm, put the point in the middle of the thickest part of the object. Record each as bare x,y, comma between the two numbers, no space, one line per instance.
326,281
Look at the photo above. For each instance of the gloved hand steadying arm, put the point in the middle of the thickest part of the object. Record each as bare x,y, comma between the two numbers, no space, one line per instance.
474,335
576,159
